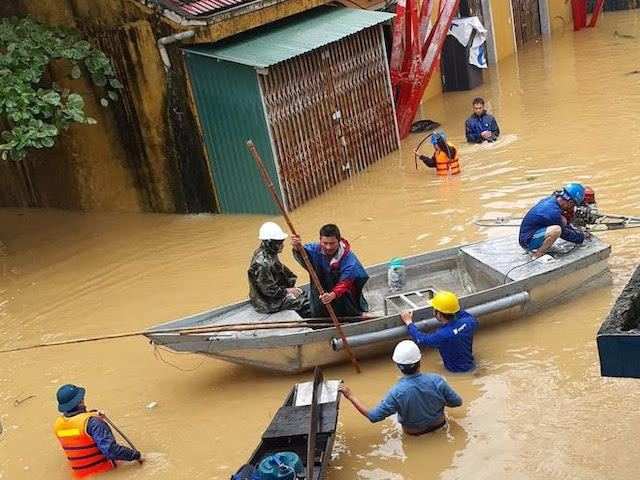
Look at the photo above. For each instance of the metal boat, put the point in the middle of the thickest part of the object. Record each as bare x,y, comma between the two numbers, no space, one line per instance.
494,279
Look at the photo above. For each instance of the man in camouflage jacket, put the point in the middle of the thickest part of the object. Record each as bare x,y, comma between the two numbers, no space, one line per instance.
271,284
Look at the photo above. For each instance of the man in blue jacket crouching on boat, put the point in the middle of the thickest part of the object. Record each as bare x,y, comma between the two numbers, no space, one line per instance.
544,223
454,338
418,398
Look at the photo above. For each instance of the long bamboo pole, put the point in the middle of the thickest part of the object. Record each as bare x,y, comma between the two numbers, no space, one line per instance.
304,255
237,327
213,328
246,328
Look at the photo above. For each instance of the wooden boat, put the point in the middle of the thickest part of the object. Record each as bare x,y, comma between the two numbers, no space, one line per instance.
305,425
495,279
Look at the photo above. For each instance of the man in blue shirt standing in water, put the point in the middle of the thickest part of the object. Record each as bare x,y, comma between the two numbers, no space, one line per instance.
418,398
454,338
544,223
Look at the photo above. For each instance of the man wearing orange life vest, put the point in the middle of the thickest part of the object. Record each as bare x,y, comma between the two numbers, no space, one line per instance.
445,157
86,439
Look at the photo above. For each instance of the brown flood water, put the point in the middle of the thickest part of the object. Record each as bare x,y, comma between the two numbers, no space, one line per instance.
536,408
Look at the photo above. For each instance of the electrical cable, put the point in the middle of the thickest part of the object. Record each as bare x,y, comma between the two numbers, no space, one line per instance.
506,275
556,253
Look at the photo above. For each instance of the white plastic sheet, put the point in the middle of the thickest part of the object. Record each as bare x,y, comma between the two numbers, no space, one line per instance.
461,29
328,392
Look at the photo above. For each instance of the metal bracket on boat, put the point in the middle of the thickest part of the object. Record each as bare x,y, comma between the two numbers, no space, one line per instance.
409,300
398,332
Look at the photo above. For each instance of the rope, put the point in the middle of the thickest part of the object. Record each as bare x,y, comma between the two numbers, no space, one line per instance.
158,355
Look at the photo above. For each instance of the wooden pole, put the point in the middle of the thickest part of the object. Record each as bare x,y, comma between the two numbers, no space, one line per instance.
181,330
304,255
245,328
213,328
314,417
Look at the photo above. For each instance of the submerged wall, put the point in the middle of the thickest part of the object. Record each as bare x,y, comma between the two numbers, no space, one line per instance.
619,336
146,153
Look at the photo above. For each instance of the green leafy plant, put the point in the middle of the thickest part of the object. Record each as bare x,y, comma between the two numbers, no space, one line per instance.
33,109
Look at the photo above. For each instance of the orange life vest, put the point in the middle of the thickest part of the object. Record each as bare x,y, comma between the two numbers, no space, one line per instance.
82,452
445,165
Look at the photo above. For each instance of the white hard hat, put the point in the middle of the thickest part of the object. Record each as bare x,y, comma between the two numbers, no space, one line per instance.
406,353
271,231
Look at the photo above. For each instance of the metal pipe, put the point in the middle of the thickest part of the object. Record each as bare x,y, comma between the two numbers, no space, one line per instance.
164,41
430,323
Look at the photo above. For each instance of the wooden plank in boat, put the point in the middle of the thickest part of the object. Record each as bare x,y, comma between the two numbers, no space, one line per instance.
291,421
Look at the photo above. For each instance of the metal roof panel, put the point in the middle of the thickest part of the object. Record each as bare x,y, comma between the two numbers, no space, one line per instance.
199,8
279,41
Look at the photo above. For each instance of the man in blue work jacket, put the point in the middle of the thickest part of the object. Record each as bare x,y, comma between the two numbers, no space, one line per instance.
454,338
418,398
480,126
544,223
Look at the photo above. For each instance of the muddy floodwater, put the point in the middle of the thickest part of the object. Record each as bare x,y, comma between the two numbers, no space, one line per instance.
536,408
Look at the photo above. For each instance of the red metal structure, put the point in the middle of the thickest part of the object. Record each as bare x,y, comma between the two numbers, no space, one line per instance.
579,11
414,53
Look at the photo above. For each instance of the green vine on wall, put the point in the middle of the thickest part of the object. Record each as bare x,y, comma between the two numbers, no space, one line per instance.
35,110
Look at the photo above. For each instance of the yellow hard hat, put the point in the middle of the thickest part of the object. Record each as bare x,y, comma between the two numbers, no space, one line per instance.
445,302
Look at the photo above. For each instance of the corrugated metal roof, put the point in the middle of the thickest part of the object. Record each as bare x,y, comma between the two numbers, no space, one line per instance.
293,36
199,8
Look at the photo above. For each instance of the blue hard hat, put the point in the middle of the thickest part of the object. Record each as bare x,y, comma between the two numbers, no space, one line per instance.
574,191
69,396
440,133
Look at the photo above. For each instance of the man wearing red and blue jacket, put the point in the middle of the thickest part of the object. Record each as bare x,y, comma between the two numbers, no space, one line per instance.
454,338
340,272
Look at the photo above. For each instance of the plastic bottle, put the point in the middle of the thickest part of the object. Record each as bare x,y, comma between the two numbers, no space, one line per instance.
395,274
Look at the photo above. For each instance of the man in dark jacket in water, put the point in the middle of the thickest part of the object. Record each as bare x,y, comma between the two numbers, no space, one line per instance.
481,127
271,284
340,272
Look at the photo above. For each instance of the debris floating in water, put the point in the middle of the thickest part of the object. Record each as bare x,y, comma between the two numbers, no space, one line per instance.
152,405
424,126
623,35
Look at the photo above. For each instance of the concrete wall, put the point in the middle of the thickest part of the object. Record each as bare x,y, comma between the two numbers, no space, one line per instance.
503,28
146,153
560,16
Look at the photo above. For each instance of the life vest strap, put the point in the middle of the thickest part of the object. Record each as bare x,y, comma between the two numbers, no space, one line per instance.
90,445
84,457
91,465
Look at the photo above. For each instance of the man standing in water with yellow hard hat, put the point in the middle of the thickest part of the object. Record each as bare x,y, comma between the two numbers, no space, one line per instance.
454,338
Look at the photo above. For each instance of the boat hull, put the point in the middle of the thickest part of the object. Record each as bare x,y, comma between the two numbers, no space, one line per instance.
302,349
